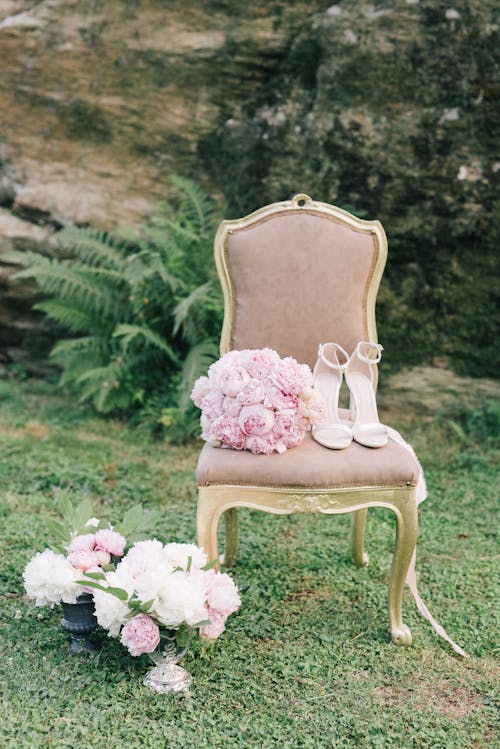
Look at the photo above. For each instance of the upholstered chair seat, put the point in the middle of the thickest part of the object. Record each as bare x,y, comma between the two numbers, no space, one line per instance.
310,465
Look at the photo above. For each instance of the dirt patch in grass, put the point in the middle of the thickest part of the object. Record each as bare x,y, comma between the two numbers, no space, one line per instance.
423,391
323,593
32,429
454,702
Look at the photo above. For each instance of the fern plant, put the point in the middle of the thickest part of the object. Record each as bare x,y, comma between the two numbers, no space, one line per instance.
143,313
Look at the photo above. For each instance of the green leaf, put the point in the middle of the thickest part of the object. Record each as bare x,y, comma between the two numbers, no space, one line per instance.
210,565
89,584
82,515
189,563
146,606
96,575
66,510
118,593
131,520
57,529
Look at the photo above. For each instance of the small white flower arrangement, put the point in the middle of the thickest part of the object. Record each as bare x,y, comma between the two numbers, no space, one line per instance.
83,544
157,588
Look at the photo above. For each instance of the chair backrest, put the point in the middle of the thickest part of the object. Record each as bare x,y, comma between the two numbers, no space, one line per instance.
299,273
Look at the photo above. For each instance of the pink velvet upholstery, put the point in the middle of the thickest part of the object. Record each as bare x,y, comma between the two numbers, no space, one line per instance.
299,279
309,465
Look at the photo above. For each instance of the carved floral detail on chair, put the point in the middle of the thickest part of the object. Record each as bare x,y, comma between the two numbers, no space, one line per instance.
308,503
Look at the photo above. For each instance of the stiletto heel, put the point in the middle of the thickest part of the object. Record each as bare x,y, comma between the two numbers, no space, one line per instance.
327,379
366,429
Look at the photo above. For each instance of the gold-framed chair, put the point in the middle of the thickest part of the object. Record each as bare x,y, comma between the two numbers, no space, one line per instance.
294,274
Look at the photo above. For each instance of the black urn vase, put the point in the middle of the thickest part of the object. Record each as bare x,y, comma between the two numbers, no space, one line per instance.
80,621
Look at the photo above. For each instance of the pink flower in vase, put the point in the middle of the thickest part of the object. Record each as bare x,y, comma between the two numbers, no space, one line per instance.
216,627
110,541
85,542
140,635
83,560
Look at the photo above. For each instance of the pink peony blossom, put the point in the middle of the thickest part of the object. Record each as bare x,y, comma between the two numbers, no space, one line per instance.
284,422
200,390
260,362
256,420
212,404
86,542
102,557
222,594
140,635
278,399
231,406
289,376
260,445
216,627
110,541
312,407
254,400
228,431
83,560
254,391
229,380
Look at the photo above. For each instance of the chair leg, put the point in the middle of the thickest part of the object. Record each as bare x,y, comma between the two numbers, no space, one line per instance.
406,539
358,554
207,524
231,521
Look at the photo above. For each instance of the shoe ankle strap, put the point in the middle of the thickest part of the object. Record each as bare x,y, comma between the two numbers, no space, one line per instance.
364,348
338,350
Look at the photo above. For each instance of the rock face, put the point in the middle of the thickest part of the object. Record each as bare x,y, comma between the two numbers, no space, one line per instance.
389,111
101,102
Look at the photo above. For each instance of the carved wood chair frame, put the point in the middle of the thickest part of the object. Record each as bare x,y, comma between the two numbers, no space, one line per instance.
217,500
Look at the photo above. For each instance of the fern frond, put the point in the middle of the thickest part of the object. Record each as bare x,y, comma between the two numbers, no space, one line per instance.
70,316
183,309
83,345
195,208
127,333
96,247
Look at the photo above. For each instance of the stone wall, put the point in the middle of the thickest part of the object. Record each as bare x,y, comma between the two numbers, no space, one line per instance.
100,102
388,110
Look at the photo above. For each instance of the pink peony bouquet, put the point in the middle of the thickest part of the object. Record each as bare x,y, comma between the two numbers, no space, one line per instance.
84,544
255,400
160,588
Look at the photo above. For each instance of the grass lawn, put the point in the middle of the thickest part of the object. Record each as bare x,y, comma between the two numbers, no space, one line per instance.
307,661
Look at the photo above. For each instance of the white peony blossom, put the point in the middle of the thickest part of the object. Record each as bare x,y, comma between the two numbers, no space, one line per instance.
144,558
111,613
181,598
50,578
177,555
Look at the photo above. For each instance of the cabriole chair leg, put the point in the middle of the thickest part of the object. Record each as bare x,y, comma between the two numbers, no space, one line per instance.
406,539
358,523
231,522
207,523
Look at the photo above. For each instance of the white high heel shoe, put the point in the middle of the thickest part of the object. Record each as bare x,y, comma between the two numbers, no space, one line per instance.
366,429
327,379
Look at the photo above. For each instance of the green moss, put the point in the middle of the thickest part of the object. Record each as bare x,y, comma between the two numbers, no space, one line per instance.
86,121
391,111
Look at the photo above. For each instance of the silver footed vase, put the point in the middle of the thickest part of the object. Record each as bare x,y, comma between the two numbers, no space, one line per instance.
167,675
